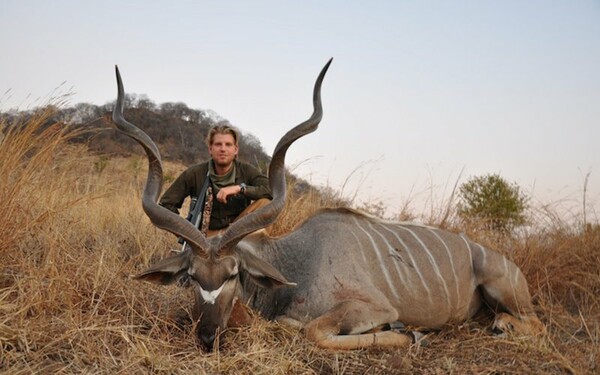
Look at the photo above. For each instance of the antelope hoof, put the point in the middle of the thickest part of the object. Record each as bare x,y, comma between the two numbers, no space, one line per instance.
419,338
528,325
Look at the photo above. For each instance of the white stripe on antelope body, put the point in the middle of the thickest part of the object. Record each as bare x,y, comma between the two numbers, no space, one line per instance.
350,275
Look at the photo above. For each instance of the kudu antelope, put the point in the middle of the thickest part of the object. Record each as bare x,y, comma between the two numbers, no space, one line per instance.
350,275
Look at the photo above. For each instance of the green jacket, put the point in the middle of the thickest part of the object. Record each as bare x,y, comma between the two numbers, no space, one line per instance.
190,182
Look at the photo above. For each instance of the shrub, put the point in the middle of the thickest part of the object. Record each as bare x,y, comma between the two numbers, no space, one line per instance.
493,203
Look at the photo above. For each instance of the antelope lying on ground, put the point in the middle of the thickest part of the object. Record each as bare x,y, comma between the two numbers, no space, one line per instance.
352,274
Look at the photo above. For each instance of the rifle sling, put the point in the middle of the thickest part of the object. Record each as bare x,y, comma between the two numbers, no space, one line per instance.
199,207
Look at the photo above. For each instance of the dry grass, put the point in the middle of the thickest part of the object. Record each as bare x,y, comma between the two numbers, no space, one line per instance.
72,231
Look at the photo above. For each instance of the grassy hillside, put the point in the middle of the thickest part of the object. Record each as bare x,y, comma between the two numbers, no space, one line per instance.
72,232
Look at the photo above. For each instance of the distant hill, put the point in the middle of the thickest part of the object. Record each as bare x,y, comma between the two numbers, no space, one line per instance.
178,131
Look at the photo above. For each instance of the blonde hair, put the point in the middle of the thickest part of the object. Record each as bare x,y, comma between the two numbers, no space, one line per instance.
221,129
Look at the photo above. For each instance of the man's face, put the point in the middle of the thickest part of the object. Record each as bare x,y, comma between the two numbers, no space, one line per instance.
223,149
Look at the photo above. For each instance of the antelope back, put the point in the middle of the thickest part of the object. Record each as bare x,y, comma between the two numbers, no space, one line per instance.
423,272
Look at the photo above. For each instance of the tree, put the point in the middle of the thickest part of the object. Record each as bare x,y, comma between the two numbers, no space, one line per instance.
83,113
493,202
178,110
144,102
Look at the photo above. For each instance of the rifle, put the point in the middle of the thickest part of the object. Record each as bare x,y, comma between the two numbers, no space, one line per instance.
196,209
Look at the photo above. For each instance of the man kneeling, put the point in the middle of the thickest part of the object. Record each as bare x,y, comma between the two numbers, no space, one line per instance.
233,188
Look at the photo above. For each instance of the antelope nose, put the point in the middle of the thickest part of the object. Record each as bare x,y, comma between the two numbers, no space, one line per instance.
207,335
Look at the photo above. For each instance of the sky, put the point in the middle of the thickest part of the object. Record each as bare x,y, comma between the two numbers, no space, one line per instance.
420,94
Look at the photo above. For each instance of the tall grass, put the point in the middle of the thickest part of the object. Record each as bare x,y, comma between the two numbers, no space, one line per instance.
71,233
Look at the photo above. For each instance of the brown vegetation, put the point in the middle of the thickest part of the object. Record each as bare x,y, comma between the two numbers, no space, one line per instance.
72,231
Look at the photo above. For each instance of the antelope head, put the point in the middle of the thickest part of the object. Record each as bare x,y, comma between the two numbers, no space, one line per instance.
213,265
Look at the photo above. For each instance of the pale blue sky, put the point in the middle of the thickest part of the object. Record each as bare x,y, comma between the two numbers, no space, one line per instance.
425,88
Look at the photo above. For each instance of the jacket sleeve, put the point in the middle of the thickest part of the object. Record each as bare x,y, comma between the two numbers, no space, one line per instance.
182,187
257,184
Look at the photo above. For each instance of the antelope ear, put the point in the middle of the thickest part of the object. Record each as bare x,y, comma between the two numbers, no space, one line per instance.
263,273
167,270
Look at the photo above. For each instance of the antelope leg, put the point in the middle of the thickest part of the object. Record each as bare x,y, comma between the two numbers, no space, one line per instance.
509,290
344,326
527,325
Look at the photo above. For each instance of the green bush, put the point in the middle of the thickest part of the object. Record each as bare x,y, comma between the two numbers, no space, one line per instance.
492,202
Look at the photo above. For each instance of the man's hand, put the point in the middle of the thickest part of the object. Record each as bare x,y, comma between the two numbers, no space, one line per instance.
228,191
